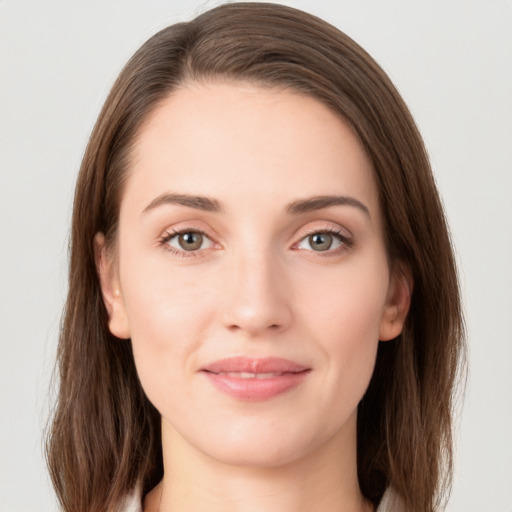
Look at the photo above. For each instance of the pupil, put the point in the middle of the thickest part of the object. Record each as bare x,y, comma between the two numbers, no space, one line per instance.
321,241
191,241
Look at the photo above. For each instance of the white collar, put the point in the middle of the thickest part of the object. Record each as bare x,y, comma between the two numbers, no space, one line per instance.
391,502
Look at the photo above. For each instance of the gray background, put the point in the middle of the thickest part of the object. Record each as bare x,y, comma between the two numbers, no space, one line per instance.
451,60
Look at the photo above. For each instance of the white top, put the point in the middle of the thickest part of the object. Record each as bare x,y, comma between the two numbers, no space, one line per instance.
390,502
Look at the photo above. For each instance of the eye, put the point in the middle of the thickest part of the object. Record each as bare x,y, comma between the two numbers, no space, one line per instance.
323,241
188,241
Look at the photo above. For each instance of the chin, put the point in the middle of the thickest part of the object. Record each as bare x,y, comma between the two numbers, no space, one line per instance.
266,444
258,454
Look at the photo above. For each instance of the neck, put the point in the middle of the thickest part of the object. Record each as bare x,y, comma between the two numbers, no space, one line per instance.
320,481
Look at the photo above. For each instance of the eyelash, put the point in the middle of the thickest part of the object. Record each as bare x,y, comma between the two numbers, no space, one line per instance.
346,241
168,236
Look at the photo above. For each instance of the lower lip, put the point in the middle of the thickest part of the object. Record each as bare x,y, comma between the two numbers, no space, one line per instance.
256,389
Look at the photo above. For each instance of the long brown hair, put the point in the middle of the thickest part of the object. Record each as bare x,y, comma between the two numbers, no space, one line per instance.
105,435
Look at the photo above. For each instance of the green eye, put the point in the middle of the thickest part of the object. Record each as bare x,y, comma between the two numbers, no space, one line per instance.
320,241
325,241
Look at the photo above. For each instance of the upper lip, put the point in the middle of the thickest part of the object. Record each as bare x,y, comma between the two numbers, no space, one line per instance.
254,365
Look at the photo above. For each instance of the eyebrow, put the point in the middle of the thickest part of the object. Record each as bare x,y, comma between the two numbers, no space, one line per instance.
294,208
198,202
320,202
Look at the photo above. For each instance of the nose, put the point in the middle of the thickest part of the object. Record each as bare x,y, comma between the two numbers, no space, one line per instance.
257,296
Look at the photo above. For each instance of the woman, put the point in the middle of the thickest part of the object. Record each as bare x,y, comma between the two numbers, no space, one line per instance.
263,308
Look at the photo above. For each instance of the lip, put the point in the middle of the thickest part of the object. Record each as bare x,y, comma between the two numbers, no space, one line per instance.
255,379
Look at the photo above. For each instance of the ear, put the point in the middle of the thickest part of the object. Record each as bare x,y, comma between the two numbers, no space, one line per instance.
111,289
397,304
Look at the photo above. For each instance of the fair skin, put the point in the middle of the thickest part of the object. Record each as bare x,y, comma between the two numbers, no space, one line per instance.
255,275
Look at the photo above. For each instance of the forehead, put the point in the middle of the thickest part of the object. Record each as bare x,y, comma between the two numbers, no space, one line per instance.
240,142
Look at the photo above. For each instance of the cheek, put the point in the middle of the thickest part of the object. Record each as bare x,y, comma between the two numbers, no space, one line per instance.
169,314
344,317
348,302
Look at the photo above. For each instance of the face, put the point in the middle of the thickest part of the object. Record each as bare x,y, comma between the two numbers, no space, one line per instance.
250,272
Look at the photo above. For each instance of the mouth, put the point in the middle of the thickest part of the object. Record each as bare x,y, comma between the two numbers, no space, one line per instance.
249,375
255,379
